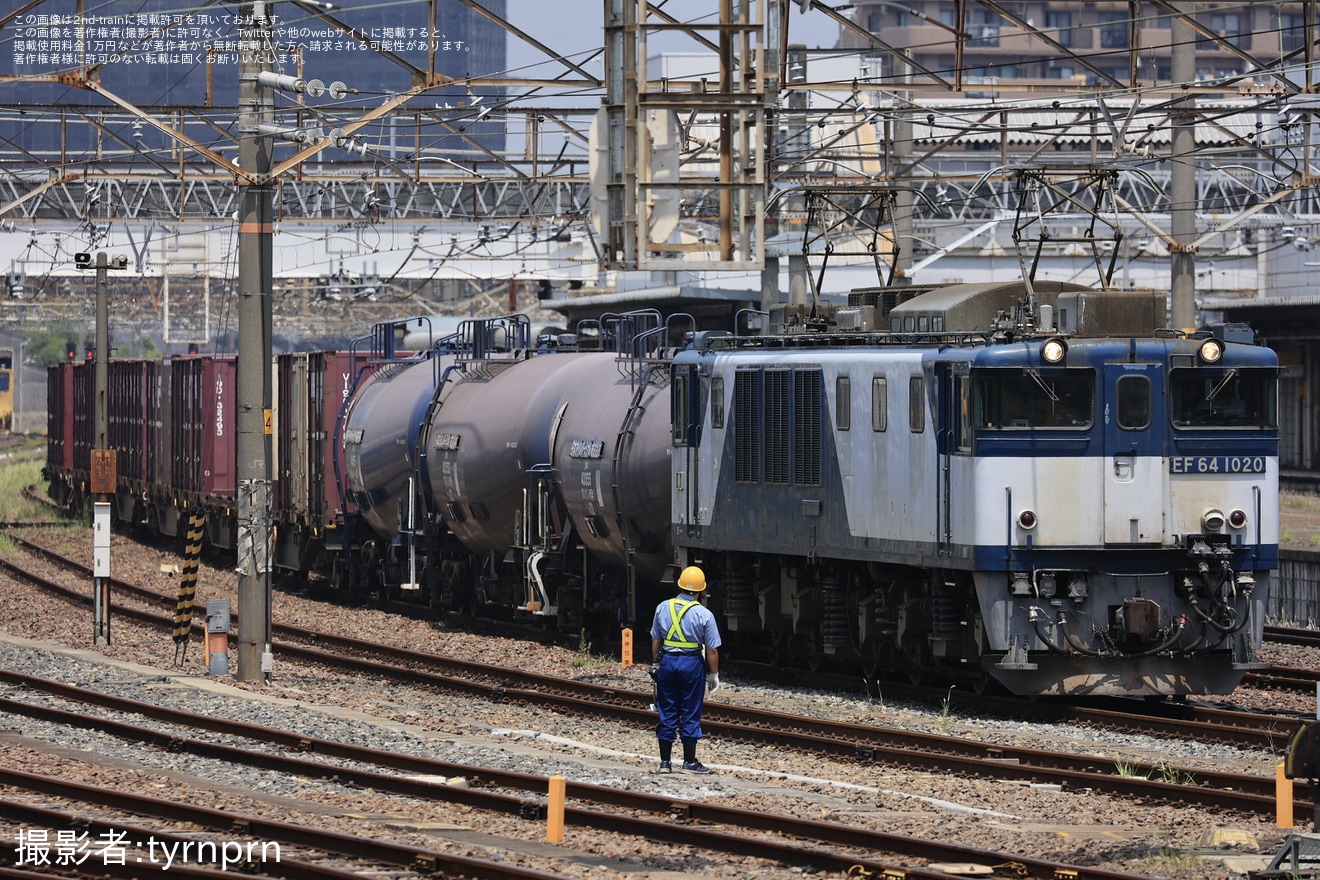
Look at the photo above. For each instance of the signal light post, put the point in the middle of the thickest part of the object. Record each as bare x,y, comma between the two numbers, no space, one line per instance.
103,462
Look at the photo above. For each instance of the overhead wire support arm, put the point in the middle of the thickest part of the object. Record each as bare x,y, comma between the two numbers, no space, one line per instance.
239,173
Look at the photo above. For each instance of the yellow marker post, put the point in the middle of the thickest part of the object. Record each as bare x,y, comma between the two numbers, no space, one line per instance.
626,649
1283,798
554,812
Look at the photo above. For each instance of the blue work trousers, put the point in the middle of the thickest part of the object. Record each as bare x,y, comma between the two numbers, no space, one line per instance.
680,694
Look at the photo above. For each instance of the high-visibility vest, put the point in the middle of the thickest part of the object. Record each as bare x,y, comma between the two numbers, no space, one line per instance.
675,638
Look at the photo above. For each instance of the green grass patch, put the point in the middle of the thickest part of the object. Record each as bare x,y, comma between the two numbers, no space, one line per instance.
16,474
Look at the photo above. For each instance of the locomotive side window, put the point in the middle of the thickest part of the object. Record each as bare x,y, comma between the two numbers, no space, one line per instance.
917,404
678,413
843,403
1007,400
1231,398
1133,398
717,402
879,403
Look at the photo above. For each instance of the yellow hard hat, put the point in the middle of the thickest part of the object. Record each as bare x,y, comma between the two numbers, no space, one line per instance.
692,579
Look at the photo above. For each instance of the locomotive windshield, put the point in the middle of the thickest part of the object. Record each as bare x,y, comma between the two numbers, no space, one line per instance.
1016,399
1233,398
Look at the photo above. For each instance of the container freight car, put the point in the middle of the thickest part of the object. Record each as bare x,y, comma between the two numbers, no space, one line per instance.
311,392
171,425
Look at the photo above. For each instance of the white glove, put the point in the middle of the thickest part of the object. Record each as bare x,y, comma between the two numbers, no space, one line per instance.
712,682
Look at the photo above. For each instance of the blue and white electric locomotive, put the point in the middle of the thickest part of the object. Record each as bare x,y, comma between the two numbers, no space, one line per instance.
1070,502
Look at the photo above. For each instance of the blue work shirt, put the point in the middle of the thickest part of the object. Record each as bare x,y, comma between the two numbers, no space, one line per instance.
697,624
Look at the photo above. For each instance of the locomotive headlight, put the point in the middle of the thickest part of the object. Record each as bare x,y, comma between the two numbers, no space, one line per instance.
1053,350
1027,519
1211,351
1213,520
1237,519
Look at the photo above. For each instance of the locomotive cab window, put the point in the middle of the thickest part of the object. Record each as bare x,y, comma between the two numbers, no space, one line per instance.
1132,394
1218,398
963,401
1009,400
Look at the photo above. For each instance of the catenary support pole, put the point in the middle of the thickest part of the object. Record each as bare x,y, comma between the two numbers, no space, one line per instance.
255,273
1182,178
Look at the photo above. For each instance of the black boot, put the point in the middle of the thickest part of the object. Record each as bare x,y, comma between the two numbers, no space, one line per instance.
690,762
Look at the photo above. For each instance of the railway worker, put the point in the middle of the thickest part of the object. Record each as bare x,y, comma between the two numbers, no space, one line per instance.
682,631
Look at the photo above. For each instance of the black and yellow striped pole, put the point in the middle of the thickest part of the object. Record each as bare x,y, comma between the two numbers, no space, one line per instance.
192,557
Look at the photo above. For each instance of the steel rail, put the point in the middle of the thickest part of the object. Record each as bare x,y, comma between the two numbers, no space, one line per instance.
337,842
864,743
45,817
791,852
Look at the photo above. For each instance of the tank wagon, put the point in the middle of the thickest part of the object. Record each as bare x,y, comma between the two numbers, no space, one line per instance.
1033,485
498,476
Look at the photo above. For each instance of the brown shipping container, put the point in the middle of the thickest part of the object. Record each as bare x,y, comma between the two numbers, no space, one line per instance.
202,435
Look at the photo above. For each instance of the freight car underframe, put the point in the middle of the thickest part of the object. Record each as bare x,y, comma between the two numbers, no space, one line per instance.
557,586
1055,624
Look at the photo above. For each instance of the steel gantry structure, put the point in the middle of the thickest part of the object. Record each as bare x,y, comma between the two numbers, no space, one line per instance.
663,166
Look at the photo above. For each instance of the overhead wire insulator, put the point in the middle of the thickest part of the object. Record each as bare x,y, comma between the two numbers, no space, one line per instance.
283,82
